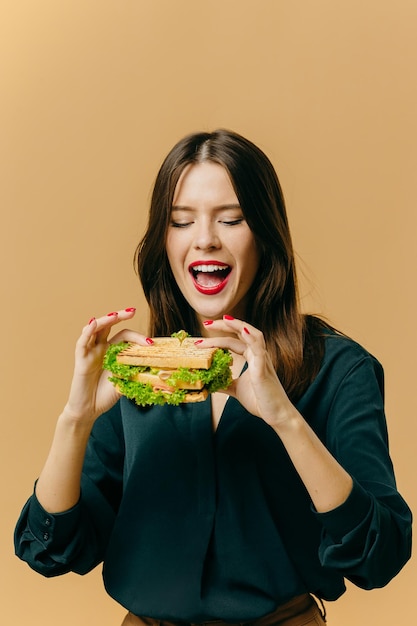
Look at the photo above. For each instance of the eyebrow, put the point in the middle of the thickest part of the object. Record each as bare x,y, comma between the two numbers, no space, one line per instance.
221,207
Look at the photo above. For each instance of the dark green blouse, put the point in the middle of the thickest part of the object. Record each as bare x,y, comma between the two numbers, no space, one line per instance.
196,526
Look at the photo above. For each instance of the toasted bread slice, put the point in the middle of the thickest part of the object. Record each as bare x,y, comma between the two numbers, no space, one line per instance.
168,352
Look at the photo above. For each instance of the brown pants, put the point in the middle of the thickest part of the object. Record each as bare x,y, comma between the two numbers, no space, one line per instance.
300,611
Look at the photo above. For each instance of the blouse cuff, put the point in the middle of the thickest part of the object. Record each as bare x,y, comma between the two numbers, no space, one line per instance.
52,528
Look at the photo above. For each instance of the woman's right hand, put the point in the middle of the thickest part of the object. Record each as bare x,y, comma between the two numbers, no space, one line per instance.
58,486
91,393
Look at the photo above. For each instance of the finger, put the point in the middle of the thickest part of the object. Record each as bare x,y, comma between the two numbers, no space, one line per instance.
114,317
251,336
88,334
97,330
226,343
230,324
132,336
104,324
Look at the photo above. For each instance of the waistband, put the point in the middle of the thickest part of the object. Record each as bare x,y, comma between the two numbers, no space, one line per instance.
289,609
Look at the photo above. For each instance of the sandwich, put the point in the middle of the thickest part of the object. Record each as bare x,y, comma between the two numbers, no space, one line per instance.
170,371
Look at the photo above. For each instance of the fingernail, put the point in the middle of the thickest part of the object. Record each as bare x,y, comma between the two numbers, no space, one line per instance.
149,341
113,313
207,322
198,341
131,309
228,317
92,320
246,330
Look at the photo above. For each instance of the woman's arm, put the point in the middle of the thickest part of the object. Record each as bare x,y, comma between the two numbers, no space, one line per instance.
91,394
261,393
326,481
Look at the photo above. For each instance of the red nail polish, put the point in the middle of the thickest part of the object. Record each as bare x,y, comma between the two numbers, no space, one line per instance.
131,309
198,341
113,313
207,322
246,330
149,341
228,317
92,320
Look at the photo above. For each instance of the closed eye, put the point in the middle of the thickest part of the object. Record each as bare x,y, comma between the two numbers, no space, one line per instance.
225,222
180,224
232,222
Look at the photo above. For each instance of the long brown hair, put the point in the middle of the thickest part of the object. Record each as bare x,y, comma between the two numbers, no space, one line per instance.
293,340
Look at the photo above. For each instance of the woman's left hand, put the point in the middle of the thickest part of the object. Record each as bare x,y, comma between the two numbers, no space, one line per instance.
258,389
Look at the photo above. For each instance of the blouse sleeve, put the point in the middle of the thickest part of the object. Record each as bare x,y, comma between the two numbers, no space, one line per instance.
368,537
75,540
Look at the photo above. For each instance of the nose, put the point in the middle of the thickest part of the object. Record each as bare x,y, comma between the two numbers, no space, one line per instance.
206,236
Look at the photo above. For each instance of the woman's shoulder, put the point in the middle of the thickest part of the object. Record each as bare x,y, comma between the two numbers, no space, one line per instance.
338,347
345,366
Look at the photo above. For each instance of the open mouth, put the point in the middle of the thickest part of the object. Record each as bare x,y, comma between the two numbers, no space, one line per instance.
210,278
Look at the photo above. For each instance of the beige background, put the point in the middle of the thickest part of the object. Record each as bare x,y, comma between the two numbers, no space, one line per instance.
93,94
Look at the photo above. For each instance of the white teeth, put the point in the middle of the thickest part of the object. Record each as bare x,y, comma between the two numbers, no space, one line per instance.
208,268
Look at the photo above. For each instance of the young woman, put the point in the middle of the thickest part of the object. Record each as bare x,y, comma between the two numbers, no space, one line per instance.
241,508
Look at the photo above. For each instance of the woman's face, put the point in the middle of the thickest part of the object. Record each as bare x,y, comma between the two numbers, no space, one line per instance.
210,248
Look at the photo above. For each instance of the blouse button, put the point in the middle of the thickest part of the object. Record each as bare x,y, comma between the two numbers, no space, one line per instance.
47,522
46,536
